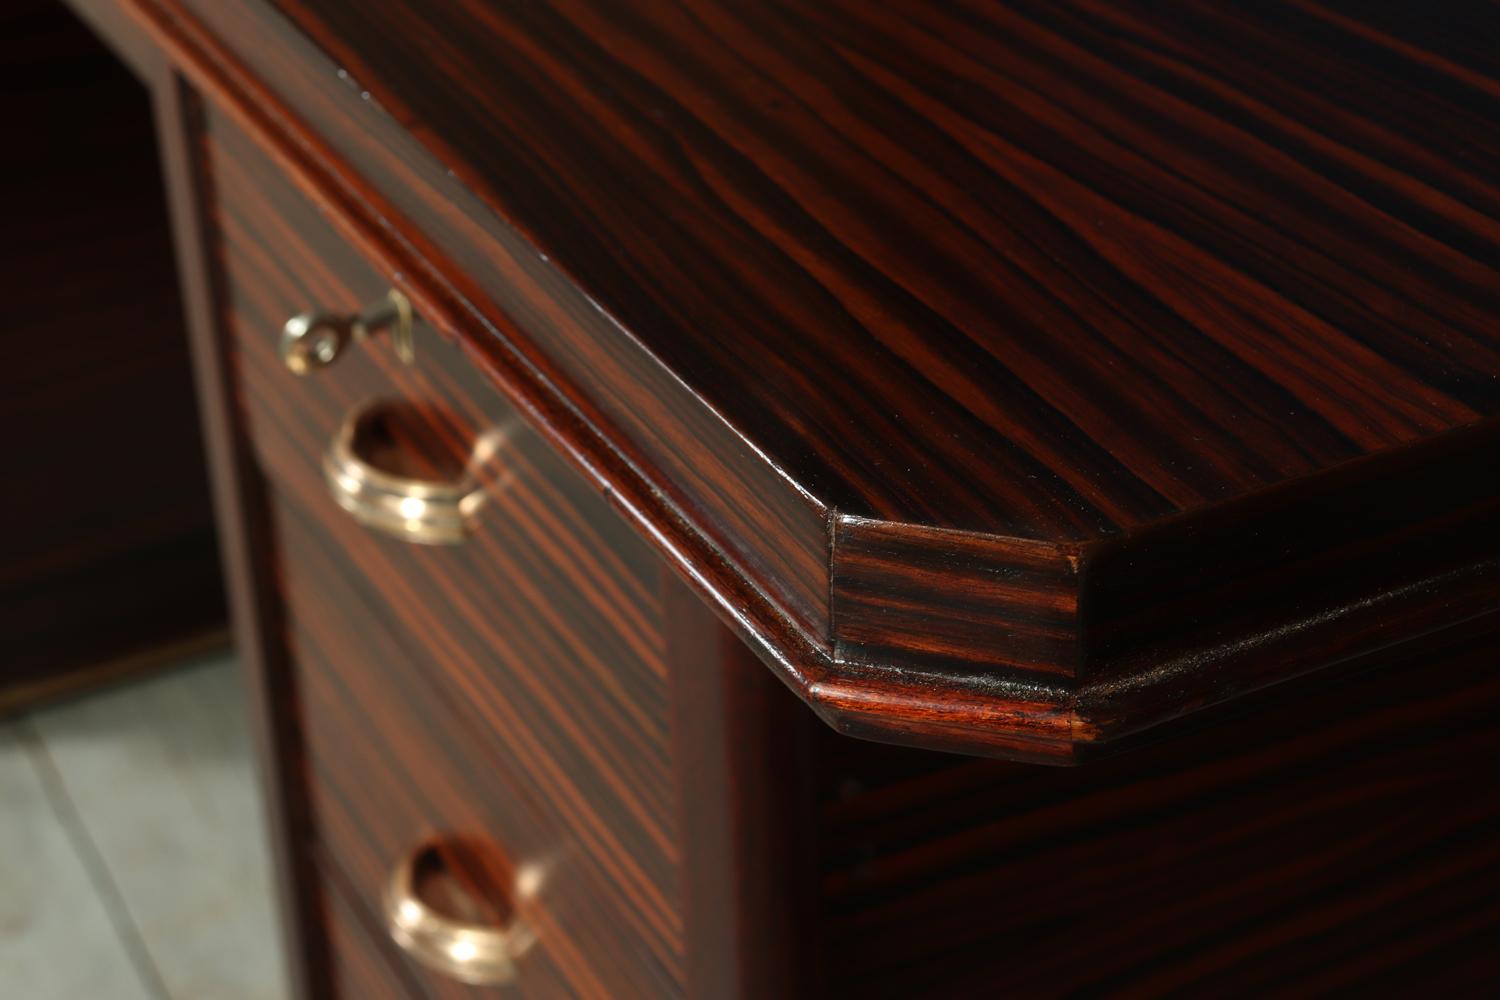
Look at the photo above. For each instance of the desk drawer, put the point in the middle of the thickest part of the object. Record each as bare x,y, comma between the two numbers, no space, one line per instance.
505,694
361,966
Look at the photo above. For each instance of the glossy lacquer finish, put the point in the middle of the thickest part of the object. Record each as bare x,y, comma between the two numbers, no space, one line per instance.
1056,271
1340,843
1016,376
1335,836
107,550
509,692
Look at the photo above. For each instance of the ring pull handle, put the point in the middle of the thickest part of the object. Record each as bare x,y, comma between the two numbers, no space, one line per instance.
480,954
372,463
314,340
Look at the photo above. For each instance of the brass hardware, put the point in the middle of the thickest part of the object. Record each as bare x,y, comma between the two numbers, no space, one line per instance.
471,953
427,511
313,340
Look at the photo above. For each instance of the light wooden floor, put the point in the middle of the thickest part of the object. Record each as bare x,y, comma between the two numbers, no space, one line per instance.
133,862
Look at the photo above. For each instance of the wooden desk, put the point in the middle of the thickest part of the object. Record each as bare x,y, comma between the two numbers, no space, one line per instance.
1031,381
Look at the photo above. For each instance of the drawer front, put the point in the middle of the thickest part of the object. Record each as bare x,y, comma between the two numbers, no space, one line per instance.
508,691
360,964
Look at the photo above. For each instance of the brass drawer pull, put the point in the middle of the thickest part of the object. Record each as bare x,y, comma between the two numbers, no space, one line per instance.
474,953
369,467
314,340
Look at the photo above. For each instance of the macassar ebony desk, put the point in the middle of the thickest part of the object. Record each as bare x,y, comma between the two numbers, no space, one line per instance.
684,469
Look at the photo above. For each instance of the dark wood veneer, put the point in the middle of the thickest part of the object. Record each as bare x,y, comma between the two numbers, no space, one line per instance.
1266,265
629,323
1132,270
743,747
1338,841
363,966
512,687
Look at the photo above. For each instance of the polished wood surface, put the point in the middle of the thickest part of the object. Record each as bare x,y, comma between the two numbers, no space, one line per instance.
512,686
363,965
1056,271
821,539
1338,840
552,690
105,526
743,745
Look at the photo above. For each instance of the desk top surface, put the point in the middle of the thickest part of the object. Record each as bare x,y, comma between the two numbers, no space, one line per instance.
1054,271
1013,375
